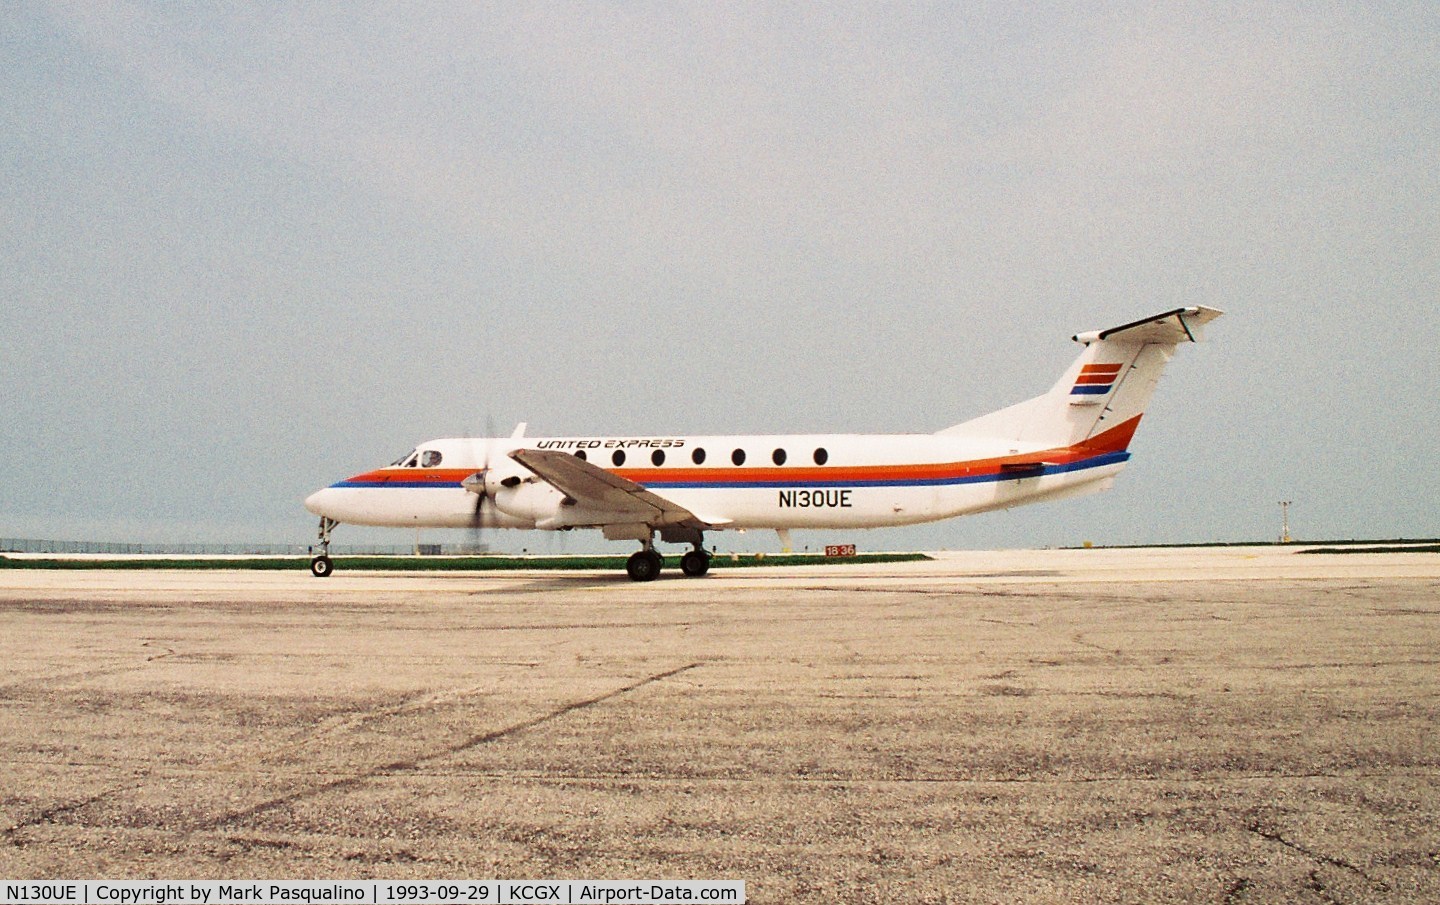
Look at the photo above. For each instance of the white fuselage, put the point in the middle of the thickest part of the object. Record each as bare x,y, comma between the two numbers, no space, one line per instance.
781,482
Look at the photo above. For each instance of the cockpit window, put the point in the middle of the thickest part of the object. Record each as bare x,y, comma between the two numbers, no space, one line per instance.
400,462
430,458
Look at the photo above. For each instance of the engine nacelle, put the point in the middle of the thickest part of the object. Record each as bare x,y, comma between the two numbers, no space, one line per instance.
526,498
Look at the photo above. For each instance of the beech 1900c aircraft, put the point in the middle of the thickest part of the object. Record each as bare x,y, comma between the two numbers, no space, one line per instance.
1070,441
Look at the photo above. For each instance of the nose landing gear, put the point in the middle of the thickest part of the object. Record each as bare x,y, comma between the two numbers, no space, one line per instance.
320,564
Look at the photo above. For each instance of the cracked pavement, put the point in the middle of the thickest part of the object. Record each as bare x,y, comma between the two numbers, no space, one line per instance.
1047,726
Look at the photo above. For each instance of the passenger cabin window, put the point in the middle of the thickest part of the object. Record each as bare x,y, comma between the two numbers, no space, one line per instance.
738,457
430,458
618,458
821,456
657,458
778,457
698,455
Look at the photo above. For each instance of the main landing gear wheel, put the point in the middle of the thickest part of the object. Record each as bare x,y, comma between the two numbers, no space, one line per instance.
695,563
321,567
644,566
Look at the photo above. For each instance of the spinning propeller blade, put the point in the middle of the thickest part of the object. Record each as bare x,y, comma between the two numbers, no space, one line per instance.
476,484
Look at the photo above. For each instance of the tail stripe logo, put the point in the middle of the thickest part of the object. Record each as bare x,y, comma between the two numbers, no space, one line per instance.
1096,380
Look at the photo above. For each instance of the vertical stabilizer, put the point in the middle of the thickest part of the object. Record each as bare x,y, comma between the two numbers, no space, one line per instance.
1103,392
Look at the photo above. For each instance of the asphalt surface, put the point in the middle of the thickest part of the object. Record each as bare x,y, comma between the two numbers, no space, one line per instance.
1206,725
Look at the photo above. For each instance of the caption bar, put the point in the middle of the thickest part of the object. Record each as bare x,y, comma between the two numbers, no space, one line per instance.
374,892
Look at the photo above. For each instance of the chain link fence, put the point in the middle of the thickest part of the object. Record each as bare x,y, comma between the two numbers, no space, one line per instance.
101,548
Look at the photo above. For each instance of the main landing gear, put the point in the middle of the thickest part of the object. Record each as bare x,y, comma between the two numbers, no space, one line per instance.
695,563
320,564
645,565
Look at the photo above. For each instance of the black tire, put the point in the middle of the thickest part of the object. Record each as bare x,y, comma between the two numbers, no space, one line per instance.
644,566
695,563
322,567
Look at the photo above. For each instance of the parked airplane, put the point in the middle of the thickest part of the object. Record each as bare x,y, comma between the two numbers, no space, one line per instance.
1067,442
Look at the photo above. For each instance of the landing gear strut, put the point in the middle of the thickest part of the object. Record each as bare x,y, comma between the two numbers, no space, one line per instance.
320,565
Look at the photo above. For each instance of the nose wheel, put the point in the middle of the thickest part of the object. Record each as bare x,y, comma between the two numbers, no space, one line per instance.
320,564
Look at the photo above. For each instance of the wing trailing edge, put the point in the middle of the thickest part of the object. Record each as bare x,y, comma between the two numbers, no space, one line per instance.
595,489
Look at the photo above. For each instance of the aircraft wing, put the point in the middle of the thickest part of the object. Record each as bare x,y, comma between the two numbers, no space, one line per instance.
595,488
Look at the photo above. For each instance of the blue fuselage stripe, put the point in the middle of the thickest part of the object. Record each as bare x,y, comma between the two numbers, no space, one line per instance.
1095,462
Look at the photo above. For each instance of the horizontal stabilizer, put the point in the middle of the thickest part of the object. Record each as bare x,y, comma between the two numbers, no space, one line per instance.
1179,326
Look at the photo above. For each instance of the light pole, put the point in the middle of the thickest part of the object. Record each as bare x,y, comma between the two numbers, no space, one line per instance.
1285,521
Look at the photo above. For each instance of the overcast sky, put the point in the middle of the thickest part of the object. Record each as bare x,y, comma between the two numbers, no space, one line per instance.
247,250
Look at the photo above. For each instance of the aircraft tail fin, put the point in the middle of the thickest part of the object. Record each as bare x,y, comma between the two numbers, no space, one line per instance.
1103,392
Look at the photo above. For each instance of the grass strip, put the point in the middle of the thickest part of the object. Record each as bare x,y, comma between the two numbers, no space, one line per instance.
1396,542
1418,548
447,563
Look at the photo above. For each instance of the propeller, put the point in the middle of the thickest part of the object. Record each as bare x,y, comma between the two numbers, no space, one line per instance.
477,484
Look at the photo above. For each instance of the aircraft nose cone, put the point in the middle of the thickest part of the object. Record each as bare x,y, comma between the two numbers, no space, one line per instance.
317,501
